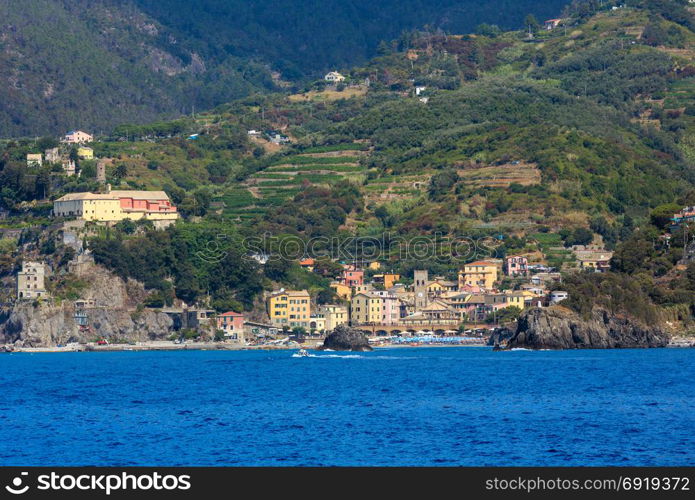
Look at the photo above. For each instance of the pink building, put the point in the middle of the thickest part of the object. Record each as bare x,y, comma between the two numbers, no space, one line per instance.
390,307
516,266
145,201
352,277
232,324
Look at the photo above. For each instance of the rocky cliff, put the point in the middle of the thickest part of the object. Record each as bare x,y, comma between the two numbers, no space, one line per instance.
560,328
112,314
45,325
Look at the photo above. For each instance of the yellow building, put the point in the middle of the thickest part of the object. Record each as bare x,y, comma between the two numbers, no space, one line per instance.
334,315
481,273
374,265
388,279
85,153
290,308
365,309
114,206
341,290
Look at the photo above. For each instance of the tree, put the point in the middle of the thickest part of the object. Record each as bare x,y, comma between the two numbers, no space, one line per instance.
661,216
120,172
531,23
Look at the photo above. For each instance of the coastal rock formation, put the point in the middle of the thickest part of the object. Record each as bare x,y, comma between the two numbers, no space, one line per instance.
43,326
112,314
560,328
344,338
499,337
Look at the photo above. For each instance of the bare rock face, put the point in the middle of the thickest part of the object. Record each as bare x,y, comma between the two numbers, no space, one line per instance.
114,316
44,326
344,338
561,328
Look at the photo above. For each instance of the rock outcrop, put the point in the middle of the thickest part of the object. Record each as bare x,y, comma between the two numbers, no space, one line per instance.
344,338
44,325
112,314
560,328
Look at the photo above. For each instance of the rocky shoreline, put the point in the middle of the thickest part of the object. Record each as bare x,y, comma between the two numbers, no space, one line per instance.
560,328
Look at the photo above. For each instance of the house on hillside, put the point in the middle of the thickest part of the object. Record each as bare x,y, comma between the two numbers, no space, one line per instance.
334,77
551,24
53,155
30,281
77,137
34,160
85,153
114,206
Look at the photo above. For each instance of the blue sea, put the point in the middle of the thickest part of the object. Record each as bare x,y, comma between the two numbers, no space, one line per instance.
408,406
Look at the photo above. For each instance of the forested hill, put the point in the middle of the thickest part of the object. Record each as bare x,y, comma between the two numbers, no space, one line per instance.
302,36
95,64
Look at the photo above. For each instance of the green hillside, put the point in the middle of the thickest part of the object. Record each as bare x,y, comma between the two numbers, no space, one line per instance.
95,64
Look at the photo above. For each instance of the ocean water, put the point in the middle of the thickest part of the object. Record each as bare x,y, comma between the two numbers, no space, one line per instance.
426,406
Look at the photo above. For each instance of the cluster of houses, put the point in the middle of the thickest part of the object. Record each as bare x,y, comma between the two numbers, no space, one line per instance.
385,303
60,155
684,216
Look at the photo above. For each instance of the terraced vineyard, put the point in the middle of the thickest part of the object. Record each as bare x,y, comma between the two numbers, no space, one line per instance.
281,181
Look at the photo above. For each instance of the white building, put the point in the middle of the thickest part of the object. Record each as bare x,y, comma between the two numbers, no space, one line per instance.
34,160
334,77
30,281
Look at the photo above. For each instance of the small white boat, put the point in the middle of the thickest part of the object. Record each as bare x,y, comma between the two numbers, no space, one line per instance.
302,353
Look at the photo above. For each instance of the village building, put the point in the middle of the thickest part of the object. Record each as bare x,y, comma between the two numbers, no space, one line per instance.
375,308
480,273
232,324
374,265
353,277
291,308
551,24
334,77
31,281
53,155
594,260
85,153
440,286
687,214
34,160
341,290
69,167
335,315
387,279
558,296
77,137
317,323
516,266
307,264
115,206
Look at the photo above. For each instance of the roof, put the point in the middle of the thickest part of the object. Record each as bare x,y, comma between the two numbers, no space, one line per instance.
480,263
231,314
116,195
292,293
306,262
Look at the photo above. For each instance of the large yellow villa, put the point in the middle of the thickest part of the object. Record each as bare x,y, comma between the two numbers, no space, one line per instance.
114,206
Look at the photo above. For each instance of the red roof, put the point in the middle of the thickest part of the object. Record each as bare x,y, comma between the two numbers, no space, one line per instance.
231,314
306,262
